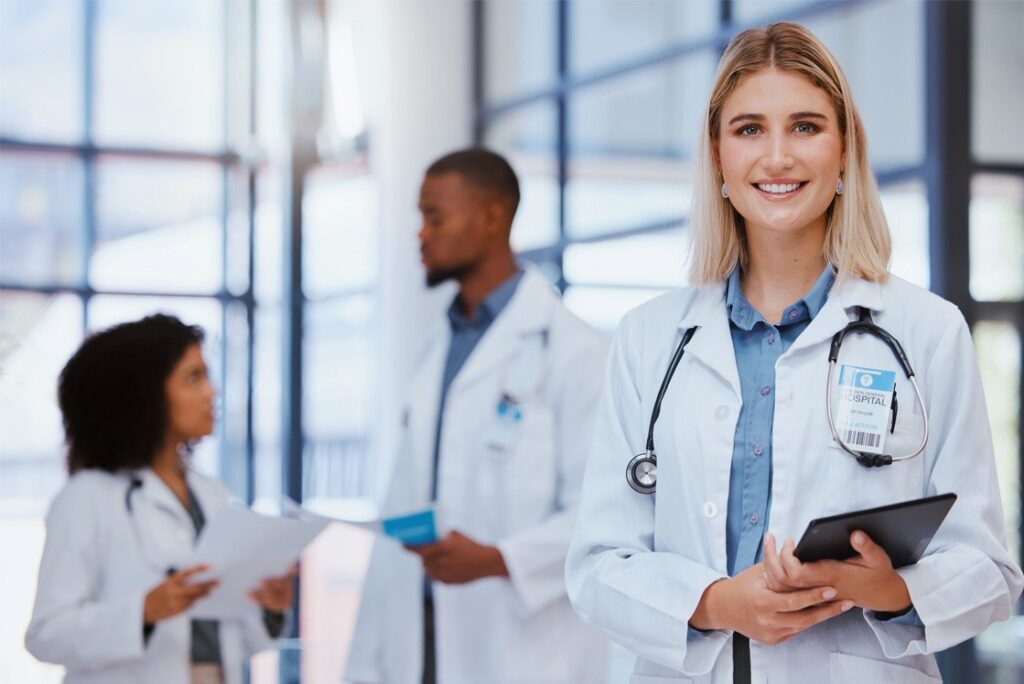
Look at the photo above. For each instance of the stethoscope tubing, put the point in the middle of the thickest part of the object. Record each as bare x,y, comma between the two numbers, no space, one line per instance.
642,469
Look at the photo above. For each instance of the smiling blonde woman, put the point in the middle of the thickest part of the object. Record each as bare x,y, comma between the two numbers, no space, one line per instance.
678,560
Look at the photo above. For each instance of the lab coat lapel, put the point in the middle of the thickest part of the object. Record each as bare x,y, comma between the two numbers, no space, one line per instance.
528,312
159,495
712,343
209,495
834,316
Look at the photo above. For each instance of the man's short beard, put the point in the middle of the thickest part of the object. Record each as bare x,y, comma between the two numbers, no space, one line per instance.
437,276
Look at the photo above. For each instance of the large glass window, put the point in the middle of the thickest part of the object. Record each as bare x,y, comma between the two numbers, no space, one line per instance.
115,203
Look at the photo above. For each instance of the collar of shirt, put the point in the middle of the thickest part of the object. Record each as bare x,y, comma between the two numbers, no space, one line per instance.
745,316
487,310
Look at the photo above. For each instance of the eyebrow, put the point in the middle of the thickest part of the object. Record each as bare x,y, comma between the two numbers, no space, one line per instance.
793,116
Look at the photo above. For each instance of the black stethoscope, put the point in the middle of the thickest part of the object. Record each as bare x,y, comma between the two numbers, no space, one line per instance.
642,471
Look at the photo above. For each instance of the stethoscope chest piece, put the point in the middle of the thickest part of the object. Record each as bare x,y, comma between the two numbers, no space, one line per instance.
642,473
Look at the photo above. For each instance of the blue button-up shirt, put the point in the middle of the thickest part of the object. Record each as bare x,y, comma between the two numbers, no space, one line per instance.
758,345
465,336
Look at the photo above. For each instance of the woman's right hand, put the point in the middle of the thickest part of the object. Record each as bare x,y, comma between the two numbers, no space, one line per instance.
175,594
745,604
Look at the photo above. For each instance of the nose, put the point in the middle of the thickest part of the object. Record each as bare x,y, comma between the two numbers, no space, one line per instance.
777,156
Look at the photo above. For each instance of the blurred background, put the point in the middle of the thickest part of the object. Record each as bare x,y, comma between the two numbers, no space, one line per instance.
253,166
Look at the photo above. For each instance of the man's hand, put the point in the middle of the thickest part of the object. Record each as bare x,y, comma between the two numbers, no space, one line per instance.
747,605
457,559
867,579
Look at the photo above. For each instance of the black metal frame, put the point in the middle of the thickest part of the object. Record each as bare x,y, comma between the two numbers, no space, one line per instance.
947,168
87,152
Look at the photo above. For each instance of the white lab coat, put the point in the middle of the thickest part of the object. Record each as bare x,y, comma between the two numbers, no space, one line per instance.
494,630
93,579
638,564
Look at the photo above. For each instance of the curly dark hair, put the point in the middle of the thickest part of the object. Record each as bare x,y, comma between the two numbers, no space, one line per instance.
111,392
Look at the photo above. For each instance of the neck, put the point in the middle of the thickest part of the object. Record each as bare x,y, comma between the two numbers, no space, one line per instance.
492,271
782,269
167,463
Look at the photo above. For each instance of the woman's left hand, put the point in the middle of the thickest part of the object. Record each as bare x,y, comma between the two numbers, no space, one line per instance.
867,579
276,593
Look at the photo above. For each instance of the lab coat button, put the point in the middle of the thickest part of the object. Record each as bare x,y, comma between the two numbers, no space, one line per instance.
721,412
710,509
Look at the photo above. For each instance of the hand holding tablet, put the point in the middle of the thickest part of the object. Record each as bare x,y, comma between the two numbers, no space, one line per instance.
857,553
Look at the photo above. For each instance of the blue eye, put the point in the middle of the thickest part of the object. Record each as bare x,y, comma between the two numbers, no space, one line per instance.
806,128
748,130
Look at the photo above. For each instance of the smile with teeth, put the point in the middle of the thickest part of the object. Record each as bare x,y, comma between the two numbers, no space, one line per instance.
778,189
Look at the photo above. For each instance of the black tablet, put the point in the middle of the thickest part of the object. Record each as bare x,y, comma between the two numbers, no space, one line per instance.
903,529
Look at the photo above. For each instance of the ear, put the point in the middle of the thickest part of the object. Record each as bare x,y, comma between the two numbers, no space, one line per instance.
496,214
716,158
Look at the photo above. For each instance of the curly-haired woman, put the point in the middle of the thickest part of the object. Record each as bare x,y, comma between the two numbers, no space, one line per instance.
113,595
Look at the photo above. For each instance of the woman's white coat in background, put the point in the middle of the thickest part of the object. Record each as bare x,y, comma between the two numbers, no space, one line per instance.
522,500
638,564
99,562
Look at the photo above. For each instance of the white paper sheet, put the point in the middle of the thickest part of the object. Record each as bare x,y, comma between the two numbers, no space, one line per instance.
242,548
419,526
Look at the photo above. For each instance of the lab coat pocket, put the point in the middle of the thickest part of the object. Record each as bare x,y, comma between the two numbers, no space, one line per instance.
525,474
855,486
848,668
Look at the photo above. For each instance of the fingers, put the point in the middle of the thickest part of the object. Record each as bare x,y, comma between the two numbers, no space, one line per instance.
812,616
183,575
774,572
873,554
199,589
796,601
791,565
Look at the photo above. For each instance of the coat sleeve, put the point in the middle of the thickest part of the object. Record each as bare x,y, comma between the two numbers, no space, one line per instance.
618,582
255,635
69,626
535,557
967,580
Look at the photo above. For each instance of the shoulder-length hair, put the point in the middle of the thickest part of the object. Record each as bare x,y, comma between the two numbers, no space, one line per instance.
857,241
112,394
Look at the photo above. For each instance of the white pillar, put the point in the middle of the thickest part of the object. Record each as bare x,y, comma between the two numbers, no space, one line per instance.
419,106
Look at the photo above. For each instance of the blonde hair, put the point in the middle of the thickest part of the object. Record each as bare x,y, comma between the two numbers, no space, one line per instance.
857,241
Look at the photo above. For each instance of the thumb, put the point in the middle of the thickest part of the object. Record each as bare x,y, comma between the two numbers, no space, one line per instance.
871,552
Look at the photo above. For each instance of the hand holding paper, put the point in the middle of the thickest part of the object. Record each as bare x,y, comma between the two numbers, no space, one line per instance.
243,548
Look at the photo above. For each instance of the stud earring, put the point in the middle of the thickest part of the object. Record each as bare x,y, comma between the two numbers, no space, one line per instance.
725,192
840,187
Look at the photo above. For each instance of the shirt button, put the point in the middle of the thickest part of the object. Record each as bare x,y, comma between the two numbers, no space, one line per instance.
758,449
710,509
793,314
766,390
771,338
753,518
721,412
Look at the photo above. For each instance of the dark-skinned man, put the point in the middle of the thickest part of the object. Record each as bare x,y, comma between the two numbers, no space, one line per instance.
495,432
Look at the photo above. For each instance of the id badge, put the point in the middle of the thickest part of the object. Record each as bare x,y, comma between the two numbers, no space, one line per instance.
501,438
864,408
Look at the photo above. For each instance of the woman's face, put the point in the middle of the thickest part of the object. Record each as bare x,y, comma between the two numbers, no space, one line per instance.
780,151
190,398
